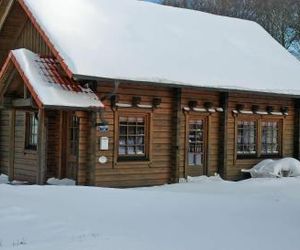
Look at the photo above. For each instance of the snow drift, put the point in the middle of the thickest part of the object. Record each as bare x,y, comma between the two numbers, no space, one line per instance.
275,168
209,214
4,179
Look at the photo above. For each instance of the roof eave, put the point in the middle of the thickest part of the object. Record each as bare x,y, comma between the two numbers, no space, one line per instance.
178,85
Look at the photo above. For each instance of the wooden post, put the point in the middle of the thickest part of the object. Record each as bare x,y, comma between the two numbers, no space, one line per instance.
223,124
60,146
297,130
93,142
42,147
12,122
177,127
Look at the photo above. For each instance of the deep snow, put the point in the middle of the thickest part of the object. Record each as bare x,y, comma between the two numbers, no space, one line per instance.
207,213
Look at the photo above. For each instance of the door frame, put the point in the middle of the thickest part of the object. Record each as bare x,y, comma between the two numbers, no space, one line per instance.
206,122
65,120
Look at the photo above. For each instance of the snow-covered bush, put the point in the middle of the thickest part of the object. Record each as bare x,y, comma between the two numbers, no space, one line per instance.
275,168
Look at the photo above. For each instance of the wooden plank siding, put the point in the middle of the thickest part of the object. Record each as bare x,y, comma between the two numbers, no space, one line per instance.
83,154
19,32
4,140
53,143
25,161
140,173
234,165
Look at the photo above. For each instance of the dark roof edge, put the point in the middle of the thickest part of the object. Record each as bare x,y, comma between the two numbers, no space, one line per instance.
175,85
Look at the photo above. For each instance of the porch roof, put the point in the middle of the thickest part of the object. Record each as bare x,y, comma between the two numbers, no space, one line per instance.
47,84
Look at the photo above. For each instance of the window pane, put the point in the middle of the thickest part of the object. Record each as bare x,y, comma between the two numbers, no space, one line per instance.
269,138
31,132
140,150
196,143
246,138
122,150
131,136
122,140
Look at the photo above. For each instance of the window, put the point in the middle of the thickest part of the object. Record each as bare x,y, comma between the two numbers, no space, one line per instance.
74,135
246,138
196,143
31,136
270,138
258,138
133,137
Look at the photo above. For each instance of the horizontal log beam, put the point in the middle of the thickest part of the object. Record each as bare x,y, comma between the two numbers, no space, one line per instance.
9,102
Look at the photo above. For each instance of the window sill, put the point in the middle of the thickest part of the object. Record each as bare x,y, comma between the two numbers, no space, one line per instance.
262,157
132,159
29,151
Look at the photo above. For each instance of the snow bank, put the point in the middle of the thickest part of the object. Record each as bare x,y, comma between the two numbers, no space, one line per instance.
208,214
63,182
4,179
275,168
202,178
137,40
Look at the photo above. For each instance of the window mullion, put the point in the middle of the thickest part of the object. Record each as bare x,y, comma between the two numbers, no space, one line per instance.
258,138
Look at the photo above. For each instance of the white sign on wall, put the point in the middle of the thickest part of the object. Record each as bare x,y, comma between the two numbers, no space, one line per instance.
104,141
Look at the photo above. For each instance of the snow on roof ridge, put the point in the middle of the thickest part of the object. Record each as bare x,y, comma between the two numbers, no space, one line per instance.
103,39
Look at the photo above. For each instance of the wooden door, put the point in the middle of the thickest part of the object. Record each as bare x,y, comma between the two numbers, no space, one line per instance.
73,146
196,150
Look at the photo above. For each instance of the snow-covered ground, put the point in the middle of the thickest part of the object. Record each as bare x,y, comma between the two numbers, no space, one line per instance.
206,213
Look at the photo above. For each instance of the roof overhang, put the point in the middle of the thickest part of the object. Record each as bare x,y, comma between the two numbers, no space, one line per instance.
47,85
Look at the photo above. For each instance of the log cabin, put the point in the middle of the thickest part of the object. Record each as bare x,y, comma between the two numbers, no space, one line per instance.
124,93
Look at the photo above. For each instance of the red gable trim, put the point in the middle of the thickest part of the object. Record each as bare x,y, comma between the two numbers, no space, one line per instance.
11,59
46,38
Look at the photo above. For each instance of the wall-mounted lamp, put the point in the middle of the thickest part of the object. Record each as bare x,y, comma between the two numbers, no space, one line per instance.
156,102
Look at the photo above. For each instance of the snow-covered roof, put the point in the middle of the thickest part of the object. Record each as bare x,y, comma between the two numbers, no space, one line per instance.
48,86
136,40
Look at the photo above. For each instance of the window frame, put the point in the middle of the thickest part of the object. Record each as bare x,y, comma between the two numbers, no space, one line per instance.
147,141
205,139
258,143
279,137
247,156
29,127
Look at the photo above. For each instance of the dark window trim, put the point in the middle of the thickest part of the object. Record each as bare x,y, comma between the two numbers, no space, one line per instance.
29,126
204,142
248,155
258,154
147,141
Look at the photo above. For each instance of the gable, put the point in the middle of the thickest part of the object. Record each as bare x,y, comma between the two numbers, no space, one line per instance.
18,32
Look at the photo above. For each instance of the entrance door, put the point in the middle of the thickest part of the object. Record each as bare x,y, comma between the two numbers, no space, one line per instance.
196,146
73,147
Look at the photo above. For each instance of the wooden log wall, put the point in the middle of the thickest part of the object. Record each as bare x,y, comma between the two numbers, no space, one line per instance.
140,173
4,140
18,32
234,165
25,161
83,153
53,143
